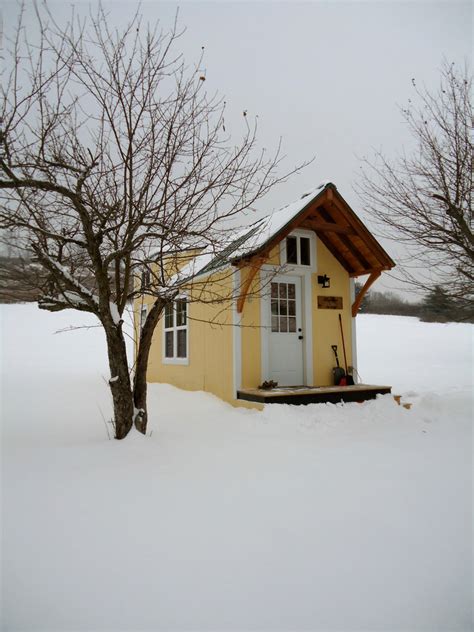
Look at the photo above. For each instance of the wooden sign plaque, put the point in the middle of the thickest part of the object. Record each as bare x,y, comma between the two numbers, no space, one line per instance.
329,302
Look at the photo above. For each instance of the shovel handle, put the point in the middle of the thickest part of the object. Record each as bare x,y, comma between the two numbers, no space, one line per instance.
334,348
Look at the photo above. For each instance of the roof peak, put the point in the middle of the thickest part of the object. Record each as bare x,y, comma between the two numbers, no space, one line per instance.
311,192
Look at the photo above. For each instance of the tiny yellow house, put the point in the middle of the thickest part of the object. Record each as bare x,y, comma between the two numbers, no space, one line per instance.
272,305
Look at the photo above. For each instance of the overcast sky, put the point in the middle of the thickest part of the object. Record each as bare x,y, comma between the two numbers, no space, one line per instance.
326,77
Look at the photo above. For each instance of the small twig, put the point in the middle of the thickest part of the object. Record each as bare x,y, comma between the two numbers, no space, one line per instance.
72,328
105,422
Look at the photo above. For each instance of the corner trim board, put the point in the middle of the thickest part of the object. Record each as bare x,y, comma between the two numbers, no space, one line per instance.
236,339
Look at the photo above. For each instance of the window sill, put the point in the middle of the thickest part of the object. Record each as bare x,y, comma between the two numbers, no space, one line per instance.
294,267
179,361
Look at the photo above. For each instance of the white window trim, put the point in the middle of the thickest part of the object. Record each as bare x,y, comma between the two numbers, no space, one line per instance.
289,267
354,333
237,336
164,359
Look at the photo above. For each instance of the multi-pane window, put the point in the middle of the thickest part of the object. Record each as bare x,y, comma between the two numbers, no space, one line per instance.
283,306
298,250
176,329
291,250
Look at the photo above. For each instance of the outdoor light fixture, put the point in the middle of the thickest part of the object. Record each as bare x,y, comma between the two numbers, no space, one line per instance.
324,280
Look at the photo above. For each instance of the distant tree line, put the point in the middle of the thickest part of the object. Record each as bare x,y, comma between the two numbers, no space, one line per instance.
21,278
437,306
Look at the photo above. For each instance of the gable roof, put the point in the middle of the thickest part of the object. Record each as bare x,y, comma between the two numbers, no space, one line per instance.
271,225
325,211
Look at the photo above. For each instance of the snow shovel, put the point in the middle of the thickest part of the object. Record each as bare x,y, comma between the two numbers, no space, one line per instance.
348,379
338,372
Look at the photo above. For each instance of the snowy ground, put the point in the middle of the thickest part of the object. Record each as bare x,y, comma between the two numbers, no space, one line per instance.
324,517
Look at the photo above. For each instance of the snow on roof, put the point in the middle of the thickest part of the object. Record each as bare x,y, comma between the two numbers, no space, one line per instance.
192,269
273,223
249,239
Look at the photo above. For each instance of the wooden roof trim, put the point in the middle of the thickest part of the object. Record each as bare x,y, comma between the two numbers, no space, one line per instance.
245,287
288,228
330,227
354,275
356,253
343,238
362,230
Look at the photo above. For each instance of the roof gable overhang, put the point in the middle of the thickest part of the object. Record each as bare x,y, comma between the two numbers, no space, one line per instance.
340,230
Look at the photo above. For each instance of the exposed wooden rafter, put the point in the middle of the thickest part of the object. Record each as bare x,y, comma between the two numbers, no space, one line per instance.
326,214
339,229
337,254
355,252
363,232
328,227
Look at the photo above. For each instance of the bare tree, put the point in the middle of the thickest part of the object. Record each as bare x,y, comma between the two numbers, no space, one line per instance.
113,159
424,200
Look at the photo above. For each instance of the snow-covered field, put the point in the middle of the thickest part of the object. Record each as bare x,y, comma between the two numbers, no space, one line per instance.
324,517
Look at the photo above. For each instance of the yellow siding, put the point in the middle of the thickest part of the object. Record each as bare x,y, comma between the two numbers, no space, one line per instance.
174,263
274,256
250,335
210,334
210,331
325,325
326,329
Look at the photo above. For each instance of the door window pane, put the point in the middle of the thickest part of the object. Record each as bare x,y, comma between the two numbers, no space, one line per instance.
283,308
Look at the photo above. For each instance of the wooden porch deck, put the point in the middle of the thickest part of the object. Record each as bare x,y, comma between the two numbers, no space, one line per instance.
313,394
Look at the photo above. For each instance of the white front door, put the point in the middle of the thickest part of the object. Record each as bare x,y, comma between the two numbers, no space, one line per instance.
286,332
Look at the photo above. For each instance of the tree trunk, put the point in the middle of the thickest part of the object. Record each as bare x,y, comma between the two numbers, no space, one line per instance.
119,381
141,365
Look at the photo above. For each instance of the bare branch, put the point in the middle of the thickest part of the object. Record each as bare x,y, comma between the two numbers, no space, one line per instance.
425,200
113,158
